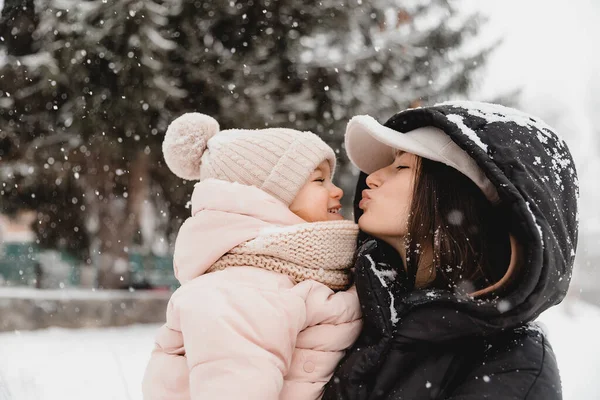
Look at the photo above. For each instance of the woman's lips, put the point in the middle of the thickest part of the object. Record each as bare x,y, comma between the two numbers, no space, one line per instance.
362,203
365,199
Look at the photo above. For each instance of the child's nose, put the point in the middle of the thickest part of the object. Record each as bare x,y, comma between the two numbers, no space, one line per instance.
336,192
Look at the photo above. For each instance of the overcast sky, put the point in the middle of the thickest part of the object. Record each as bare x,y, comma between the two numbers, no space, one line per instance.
549,51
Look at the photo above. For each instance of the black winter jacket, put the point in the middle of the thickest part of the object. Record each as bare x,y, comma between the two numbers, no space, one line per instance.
434,344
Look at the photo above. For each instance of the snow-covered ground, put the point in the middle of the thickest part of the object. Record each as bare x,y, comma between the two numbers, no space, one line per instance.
108,364
64,364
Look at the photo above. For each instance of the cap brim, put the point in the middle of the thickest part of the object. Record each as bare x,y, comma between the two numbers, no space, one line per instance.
370,145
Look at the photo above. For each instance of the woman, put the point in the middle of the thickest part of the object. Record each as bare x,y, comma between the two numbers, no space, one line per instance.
468,224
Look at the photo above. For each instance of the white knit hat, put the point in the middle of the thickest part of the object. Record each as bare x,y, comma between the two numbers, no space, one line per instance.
276,160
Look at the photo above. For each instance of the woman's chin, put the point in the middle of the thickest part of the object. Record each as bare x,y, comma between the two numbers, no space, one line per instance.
363,224
369,225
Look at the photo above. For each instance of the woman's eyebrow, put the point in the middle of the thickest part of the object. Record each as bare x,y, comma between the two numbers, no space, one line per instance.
399,153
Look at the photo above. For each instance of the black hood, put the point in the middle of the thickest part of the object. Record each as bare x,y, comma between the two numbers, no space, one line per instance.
535,177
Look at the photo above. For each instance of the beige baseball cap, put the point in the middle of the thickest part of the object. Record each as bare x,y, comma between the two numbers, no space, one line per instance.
371,146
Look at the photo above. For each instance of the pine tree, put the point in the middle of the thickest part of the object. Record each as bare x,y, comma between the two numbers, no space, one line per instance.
30,177
109,92
116,95
87,96
312,65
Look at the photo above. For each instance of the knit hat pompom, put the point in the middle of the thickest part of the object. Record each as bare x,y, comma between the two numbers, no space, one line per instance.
186,141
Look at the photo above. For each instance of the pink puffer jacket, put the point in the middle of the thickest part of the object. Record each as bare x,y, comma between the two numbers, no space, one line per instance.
244,332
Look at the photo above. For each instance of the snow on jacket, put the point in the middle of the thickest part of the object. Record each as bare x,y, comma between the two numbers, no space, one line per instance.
246,332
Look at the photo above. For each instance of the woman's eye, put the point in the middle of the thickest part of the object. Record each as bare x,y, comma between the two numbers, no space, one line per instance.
401,167
319,180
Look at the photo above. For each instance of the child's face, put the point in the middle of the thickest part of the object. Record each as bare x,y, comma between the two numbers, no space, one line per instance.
319,198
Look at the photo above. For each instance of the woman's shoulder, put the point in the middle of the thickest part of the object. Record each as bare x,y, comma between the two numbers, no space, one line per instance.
523,347
519,363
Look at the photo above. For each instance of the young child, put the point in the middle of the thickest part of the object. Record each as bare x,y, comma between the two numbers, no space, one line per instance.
263,261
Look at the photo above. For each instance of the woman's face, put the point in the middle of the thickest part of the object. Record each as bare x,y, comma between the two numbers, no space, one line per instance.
386,204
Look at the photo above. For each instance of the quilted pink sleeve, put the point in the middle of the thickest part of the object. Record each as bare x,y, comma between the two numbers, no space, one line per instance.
239,340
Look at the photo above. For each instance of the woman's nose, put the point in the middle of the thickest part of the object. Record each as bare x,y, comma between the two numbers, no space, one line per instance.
373,180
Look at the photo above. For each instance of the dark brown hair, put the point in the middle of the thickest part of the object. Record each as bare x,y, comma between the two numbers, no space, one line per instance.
456,237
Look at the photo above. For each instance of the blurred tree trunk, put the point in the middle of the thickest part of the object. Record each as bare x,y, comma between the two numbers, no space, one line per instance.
118,226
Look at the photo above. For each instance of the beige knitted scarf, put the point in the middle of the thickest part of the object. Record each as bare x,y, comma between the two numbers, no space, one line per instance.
322,251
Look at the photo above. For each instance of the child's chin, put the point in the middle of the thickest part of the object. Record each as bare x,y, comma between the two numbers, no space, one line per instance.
335,217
